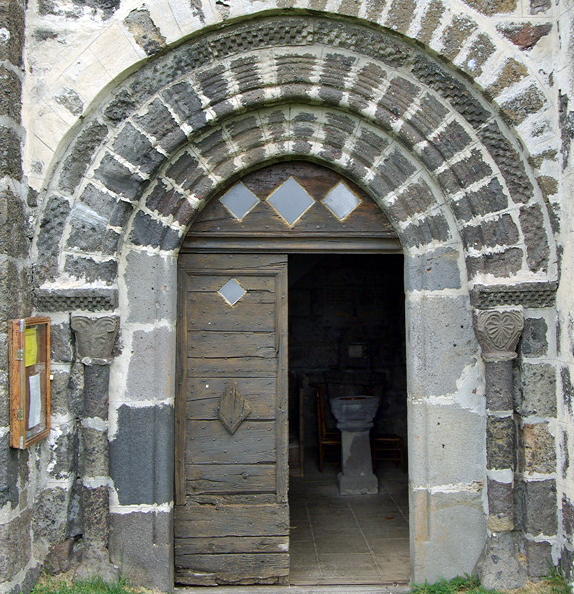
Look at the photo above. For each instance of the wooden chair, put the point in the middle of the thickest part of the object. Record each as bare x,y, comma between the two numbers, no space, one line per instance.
387,447
329,436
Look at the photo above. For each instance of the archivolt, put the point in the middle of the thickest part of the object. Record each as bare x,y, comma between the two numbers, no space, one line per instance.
432,153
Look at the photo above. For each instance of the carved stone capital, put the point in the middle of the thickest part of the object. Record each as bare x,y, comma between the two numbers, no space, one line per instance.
95,338
498,332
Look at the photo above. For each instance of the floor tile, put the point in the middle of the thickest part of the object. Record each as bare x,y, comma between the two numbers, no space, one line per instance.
342,542
357,563
355,540
335,524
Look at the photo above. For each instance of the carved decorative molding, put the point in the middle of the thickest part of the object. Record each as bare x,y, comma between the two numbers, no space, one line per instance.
498,333
100,299
95,338
532,295
233,409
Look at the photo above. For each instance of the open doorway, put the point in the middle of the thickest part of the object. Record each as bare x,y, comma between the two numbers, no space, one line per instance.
346,337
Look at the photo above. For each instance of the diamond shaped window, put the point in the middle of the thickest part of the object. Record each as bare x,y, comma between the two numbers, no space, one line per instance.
341,201
291,201
232,291
239,200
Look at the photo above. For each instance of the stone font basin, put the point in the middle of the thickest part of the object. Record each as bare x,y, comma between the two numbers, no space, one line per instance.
355,416
354,413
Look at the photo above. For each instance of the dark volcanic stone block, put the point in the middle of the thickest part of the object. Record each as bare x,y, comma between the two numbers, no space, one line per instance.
141,455
540,513
149,231
137,149
118,178
81,155
534,337
501,439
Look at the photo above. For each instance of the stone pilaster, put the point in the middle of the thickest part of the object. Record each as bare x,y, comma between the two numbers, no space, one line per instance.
498,332
95,339
19,560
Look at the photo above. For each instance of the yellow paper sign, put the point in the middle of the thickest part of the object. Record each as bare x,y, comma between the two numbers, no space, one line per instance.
31,347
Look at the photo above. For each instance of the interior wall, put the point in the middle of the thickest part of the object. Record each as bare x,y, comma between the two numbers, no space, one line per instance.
336,301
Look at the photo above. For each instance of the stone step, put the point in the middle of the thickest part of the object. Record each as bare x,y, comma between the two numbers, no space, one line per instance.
319,589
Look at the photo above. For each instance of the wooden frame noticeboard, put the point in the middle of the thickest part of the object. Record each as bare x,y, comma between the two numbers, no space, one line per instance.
29,356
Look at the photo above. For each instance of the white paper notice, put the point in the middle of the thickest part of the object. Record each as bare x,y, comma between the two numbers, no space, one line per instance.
34,411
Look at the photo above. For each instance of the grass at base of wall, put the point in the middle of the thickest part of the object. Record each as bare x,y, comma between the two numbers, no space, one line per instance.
555,583
65,585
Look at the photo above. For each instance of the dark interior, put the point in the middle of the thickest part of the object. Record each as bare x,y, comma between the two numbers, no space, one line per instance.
346,333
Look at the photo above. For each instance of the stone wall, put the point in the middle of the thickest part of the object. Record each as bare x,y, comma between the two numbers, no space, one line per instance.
440,161
17,564
562,428
132,121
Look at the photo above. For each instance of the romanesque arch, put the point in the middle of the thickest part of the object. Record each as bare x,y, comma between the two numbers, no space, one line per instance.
439,160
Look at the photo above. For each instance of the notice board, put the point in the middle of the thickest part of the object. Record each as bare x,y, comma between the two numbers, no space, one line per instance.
29,357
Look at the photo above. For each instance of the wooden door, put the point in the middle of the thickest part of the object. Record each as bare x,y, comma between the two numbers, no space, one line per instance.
231,516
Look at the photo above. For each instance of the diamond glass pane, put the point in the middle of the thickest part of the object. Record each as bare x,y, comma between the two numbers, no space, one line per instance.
341,201
239,200
291,201
232,291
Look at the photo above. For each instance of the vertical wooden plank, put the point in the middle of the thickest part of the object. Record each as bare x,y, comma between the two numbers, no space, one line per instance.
17,389
220,358
282,419
181,387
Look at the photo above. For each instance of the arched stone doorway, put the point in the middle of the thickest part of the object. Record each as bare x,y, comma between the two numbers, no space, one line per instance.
233,431
432,153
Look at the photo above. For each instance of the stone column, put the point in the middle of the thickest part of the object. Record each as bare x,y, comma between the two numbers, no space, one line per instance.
498,332
95,339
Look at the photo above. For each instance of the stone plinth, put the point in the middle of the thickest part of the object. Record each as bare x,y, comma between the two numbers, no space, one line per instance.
355,416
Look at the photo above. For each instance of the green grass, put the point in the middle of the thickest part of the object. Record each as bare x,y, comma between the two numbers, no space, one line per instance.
97,586
555,583
468,584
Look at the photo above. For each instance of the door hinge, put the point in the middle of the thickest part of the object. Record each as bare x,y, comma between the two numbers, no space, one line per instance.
20,414
19,354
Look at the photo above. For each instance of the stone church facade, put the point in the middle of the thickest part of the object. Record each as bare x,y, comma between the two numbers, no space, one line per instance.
121,120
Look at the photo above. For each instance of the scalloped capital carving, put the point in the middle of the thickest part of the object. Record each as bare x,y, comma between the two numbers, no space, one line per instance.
95,338
498,332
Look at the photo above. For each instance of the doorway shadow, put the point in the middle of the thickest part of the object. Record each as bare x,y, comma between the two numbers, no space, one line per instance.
336,539
347,338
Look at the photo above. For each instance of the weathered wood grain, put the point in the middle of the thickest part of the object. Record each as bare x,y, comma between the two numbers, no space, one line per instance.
282,390
249,571
330,243
180,389
251,313
366,219
237,263
208,442
232,544
227,345
220,499
232,520
230,478
230,490
236,564
212,281
239,366
203,396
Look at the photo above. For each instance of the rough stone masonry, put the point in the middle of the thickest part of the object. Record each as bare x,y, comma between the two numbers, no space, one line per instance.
120,120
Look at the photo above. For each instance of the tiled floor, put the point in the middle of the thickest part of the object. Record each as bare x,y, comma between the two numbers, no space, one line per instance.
339,539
